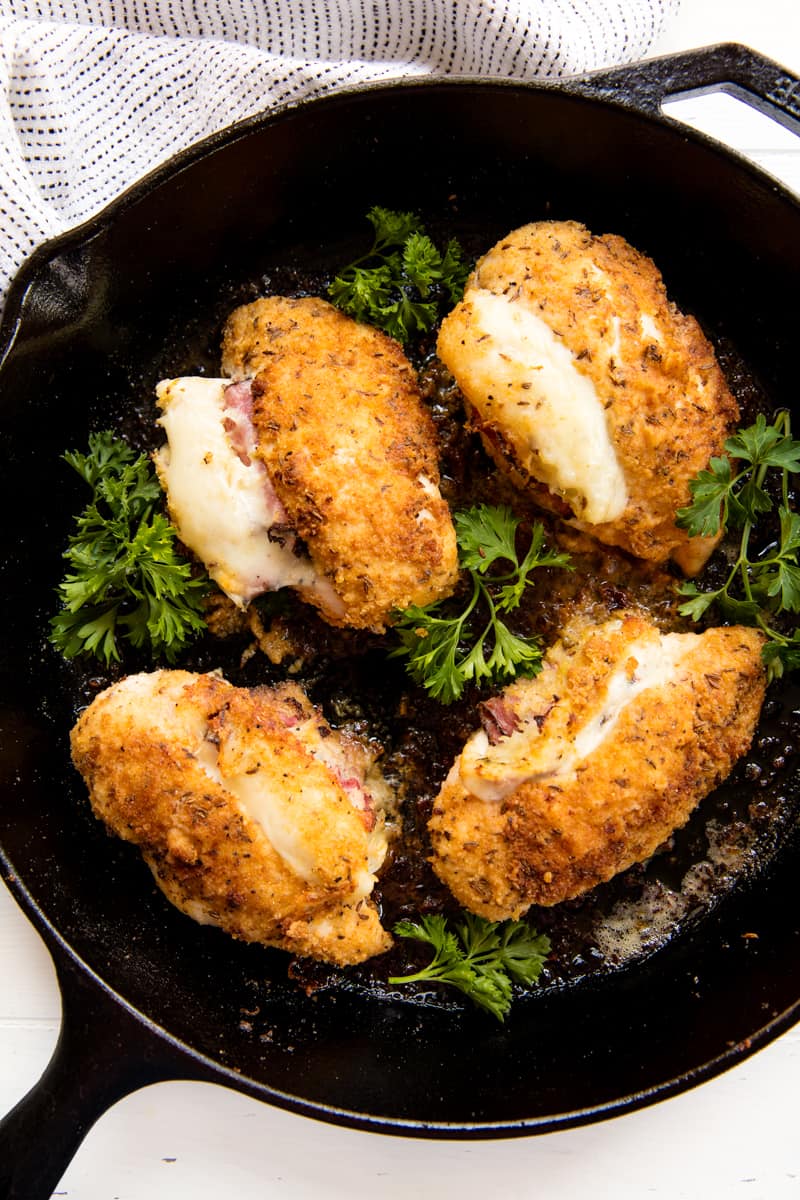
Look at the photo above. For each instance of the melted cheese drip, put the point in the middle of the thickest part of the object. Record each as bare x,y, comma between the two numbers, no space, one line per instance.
550,410
222,508
493,772
275,810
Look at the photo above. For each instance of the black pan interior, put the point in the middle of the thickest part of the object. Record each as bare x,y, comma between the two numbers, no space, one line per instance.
140,295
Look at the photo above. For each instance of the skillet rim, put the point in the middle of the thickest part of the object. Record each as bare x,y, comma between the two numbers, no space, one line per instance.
200,1067
587,87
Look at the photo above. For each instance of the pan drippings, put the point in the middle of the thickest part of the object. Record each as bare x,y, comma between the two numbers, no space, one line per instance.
730,837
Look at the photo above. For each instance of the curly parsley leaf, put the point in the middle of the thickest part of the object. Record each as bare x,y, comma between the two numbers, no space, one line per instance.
766,445
442,648
710,491
391,227
783,656
757,588
126,580
431,642
478,957
402,282
485,534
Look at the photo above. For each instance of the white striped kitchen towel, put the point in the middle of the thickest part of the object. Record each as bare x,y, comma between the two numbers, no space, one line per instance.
97,92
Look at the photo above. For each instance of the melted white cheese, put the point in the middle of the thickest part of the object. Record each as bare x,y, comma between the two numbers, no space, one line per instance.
295,840
551,411
222,508
649,328
276,809
493,772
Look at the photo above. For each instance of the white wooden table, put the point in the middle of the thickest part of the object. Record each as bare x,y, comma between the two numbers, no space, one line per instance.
736,1136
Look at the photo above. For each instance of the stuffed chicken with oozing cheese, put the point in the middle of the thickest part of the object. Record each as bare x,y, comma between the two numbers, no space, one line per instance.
587,768
588,386
313,467
252,813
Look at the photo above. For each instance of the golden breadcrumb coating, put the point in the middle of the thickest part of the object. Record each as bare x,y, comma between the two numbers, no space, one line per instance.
590,766
251,812
653,372
351,452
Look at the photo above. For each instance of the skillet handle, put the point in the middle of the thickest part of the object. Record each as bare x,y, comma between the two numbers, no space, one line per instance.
761,83
103,1053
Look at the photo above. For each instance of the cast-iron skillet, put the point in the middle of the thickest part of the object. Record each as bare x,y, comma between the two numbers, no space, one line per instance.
97,316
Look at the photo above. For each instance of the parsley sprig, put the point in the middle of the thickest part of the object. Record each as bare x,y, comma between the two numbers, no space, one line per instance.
442,651
481,958
402,281
757,588
127,581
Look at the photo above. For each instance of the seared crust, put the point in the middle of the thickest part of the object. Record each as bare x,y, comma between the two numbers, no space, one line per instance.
161,753
668,408
351,451
556,836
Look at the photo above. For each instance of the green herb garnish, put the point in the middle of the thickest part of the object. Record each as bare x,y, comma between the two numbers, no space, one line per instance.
442,650
756,589
403,281
127,581
481,958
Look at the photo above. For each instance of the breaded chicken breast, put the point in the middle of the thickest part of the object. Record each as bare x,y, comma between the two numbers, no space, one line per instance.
252,813
587,768
588,386
328,441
